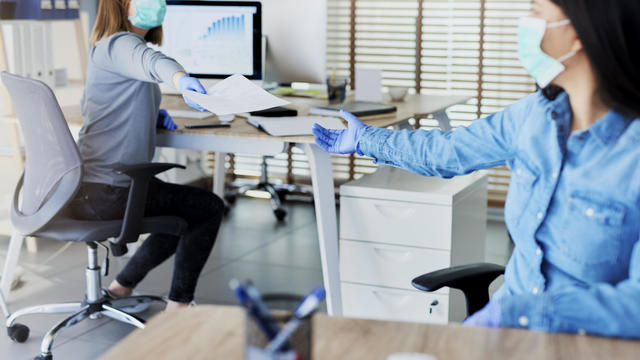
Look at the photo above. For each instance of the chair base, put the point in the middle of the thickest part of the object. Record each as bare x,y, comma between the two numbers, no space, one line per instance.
102,305
278,192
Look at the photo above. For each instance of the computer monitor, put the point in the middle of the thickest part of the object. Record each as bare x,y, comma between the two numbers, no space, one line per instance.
296,32
215,39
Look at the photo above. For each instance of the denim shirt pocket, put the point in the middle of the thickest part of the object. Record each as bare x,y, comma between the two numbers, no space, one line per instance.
520,192
593,231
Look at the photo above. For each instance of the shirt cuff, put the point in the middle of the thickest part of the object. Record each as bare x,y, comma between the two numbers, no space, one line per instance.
166,68
372,143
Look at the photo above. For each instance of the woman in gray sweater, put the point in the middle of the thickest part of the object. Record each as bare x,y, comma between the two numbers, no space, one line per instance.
121,113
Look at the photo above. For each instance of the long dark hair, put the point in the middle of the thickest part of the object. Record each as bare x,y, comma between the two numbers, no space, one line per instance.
112,18
610,34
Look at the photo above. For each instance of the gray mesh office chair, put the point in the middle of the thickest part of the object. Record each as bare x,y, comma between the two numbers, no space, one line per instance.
472,279
52,176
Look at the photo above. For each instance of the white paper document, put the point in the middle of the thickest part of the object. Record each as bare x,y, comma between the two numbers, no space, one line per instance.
294,125
233,95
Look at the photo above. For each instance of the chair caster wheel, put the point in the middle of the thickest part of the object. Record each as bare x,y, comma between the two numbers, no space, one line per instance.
43,357
282,195
231,199
18,332
280,214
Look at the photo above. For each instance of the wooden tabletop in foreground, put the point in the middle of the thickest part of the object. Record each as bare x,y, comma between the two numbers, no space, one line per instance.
217,332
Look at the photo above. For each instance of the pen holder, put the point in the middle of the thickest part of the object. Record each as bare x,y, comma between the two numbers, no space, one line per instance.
336,89
300,340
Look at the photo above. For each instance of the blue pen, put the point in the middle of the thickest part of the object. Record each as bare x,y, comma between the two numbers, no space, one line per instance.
306,307
262,310
255,307
239,292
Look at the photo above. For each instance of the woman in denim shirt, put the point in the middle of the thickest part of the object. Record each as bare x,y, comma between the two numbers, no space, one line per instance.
573,207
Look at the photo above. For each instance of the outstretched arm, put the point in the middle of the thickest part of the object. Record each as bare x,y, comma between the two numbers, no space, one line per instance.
128,55
485,143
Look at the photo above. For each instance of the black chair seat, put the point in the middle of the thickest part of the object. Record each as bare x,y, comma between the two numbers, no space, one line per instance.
68,229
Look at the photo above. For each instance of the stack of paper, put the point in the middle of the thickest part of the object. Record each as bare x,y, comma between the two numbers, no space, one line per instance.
294,125
235,95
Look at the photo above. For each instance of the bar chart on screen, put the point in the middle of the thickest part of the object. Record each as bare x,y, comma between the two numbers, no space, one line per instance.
226,26
206,38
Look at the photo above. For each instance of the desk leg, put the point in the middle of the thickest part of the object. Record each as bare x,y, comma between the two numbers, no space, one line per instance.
443,120
325,203
404,125
219,174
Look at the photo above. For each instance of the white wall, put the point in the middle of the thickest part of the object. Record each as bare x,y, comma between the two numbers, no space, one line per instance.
65,48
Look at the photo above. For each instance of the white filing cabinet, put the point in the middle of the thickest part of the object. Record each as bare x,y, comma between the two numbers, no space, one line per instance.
394,226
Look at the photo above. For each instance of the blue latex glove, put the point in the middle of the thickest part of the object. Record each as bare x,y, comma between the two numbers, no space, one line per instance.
340,141
165,121
488,316
187,82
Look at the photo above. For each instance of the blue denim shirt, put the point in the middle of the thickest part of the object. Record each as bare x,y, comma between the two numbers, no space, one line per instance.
572,209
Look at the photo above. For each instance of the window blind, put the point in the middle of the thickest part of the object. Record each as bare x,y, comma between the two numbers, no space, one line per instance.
503,79
459,47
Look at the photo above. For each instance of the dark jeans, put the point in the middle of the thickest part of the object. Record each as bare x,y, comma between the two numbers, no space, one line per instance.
201,209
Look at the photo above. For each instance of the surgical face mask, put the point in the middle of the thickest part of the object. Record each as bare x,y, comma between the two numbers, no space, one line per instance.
149,13
541,66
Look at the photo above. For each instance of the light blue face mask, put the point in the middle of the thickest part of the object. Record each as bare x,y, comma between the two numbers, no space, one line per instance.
149,13
541,66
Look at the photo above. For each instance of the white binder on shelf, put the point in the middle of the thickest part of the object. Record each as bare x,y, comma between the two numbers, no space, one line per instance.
29,49
41,52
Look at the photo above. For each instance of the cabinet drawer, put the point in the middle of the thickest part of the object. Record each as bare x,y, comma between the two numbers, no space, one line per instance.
393,222
387,265
370,302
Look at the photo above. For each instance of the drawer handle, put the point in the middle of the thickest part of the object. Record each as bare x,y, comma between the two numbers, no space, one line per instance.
396,212
385,296
392,255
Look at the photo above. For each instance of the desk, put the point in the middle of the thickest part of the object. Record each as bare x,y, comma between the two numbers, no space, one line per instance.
244,138
217,332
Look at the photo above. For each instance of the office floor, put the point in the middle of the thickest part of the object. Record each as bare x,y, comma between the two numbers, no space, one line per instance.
251,245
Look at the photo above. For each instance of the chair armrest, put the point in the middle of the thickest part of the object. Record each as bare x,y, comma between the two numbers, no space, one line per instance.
141,175
472,279
148,170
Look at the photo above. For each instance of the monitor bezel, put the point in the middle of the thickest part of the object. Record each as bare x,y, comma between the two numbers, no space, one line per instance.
257,34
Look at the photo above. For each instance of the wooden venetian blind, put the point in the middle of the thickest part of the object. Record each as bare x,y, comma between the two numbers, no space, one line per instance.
503,79
461,47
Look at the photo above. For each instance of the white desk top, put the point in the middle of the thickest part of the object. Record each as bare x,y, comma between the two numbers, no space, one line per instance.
414,105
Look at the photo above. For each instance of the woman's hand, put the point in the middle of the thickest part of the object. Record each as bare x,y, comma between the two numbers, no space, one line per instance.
165,121
340,141
186,82
488,316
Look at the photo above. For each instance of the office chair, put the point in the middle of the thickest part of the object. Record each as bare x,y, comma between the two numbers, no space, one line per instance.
52,176
472,279
278,192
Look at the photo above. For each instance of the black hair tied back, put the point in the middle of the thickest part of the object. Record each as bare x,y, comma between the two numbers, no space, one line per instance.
610,31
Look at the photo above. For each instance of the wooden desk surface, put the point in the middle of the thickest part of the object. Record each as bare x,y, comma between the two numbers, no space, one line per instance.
217,332
412,106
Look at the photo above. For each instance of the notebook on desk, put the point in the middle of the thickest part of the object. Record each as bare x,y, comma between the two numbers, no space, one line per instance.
357,108
293,125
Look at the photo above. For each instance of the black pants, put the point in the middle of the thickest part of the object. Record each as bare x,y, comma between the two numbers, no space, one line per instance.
201,209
